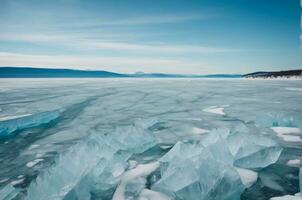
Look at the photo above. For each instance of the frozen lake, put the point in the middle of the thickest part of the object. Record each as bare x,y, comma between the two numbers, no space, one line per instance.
222,139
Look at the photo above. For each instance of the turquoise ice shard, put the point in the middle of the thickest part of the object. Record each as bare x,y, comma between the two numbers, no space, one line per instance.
218,146
202,175
134,139
8,192
69,170
250,150
92,166
253,151
7,127
248,177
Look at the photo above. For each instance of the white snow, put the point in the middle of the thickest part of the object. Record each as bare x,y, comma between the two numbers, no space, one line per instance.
13,117
283,132
17,181
33,163
4,180
215,110
218,110
288,197
199,131
152,195
286,130
141,170
248,177
294,163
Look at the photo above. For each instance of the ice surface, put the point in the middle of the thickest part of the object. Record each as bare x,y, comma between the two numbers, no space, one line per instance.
101,130
152,195
294,89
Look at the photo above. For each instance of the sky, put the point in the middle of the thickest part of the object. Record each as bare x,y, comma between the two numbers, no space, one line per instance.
163,36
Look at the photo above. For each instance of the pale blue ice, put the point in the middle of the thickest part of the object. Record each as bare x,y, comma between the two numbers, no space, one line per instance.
199,139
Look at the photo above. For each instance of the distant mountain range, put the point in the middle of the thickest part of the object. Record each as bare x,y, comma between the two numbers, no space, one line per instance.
275,74
29,72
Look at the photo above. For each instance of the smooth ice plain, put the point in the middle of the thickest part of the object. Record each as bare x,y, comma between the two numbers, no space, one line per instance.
150,139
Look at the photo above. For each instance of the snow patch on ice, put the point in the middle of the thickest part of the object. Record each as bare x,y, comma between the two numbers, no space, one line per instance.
283,132
219,110
16,182
248,177
198,131
286,130
287,197
294,163
4,180
141,170
165,146
33,163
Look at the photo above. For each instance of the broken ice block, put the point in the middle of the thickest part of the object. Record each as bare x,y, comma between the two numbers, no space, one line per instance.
253,151
8,192
190,171
7,127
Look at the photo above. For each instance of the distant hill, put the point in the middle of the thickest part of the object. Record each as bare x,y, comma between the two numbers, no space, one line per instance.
274,74
160,75
28,72
222,76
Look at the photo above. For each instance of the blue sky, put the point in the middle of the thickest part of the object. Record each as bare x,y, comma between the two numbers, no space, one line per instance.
168,36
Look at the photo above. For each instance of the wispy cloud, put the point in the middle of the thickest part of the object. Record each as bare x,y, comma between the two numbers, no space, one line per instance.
160,48
161,19
119,64
86,43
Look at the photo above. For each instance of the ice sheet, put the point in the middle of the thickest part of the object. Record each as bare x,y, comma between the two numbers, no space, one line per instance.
106,128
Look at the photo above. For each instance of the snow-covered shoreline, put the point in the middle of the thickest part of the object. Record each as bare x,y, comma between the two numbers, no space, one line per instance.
275,78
